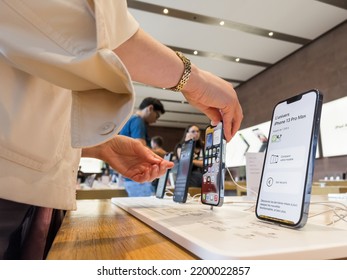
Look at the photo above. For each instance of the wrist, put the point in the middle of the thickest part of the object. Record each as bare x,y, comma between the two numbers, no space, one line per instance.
196,82
93,152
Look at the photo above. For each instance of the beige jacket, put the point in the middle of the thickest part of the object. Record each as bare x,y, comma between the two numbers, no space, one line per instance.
62,88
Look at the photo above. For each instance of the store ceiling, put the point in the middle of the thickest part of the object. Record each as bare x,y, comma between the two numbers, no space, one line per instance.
235,51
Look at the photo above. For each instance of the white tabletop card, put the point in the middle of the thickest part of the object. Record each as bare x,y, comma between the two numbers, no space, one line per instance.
233,231
254,166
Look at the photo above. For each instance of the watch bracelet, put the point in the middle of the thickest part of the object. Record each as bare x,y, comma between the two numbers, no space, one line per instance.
186,73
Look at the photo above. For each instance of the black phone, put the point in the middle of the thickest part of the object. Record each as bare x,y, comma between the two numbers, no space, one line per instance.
183,172
212,190
160,192
286,180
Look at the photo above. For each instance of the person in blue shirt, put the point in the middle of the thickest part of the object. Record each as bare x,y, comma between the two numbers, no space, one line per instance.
149,112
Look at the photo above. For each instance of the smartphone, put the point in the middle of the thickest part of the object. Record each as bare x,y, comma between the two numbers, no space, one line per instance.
183,172
286,180
212,190
160,192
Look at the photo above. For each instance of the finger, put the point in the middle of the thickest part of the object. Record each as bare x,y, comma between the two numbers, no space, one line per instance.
155,172
152,172
145,153
227,125
213,114
139,175
165,164
138,178
162,167
151,157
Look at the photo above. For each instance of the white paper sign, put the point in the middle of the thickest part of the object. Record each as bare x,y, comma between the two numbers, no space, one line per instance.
254,166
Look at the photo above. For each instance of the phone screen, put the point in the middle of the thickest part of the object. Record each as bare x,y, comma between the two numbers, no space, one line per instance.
212,191
183,171
288,167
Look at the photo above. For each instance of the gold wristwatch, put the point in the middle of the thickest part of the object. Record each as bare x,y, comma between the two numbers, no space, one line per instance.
186,73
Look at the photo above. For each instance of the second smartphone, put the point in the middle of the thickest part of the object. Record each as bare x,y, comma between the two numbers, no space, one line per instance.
161,187
212,189
184,170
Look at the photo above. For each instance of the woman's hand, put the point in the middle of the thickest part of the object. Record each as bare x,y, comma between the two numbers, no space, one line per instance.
216,98
150,62
130,158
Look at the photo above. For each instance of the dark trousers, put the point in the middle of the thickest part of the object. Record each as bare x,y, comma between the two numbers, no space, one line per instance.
26,231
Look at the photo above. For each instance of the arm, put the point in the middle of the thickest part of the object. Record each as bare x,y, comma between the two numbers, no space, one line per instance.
161,67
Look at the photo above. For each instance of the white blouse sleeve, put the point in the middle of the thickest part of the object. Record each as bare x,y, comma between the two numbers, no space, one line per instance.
69,44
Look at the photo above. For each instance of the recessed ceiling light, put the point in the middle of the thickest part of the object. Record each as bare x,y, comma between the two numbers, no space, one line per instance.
271,34
237,59
166,11
195,52
221,23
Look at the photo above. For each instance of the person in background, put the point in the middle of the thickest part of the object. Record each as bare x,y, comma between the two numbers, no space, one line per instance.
193,132
136,127
67,69
149,112
157,145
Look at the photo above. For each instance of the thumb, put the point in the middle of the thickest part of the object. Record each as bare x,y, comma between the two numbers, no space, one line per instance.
213,114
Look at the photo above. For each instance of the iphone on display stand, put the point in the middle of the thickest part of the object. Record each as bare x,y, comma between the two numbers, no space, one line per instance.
212,190
183,172
161,187
286,180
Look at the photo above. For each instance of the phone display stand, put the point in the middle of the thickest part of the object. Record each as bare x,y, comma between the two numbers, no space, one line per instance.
233,231
184,172
254,166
